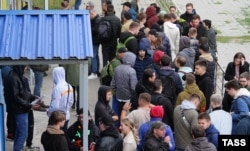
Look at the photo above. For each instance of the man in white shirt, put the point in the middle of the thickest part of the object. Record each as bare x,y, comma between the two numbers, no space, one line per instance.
221,119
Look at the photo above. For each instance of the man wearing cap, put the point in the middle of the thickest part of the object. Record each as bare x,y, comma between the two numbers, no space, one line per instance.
110,138
155,139
128,8
90,5
156,114
75,134
127,20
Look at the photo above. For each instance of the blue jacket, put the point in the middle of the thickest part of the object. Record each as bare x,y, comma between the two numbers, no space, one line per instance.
141,65
239,107
212,135
145,127
133,13
166,43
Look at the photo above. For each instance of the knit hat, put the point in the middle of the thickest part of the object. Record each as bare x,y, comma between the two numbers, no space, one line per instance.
157,112
157,56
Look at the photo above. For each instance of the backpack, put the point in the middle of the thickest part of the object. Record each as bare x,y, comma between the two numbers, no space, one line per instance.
169,88
120,44
105,31
105,77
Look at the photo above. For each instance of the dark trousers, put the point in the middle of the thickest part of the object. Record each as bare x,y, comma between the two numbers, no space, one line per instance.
108,53
76,97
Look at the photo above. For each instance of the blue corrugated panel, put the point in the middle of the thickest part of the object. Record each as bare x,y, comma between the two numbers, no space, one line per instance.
50,34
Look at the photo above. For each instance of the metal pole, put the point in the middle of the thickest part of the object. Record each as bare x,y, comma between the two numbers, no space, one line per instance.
46,5
83,86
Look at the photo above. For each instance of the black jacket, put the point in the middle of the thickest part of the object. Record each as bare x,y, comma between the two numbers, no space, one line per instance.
160,99
102,107
155,144
75,134
110,140
132,44
230,71
116,27
205,84
54,140
201,31
17,96
94,29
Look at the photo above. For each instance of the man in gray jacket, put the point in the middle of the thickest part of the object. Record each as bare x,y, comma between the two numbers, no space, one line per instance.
124,80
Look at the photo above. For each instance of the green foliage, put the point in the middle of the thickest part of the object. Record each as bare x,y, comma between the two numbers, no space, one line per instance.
53,4
238,39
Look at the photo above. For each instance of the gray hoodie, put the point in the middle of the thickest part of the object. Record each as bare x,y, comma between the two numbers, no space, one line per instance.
124,79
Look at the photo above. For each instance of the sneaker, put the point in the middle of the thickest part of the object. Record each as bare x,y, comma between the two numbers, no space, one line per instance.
31,148
93,76
41,109
44,105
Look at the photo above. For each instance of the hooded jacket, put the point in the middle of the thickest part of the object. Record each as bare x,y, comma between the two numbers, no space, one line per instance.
212,135
240,107
124,79
151,16
17,96
188,90
141,65
152,144
132,44
200,144
144,128
183,135
110,140
62,94
173,33
102,107
54,140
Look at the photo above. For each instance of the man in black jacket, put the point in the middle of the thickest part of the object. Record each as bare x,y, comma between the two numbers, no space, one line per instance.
109,47
155,140
18,99
110,139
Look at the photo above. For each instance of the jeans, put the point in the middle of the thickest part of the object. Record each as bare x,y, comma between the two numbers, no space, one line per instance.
117,108
77,4
21,131
38,82
95,62
108,53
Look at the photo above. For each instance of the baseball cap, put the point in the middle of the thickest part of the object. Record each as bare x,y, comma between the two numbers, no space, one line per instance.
127,4
122,50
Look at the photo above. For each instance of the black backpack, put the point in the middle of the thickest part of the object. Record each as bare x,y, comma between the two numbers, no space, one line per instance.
169,88
105,31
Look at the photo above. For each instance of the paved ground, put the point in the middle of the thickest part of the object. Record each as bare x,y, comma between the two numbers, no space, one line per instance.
224,14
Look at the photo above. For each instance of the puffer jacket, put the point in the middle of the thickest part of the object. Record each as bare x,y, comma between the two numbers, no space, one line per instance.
110,140
116,28
124,79
141,65
17,96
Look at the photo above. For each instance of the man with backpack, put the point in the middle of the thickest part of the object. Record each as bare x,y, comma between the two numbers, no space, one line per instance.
171,81
127,38
108,32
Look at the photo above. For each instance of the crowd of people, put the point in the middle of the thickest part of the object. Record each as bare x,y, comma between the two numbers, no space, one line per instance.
158,70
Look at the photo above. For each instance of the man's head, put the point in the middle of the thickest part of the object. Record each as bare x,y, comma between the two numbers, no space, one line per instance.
189,8
245,79
149,75
195,21
105,6
192,32
180,61
104,122
189,78
127,16
134,28
167,17
203,49
121,52
158,129
215,101
142,53
198,131
57,118
80,115
166,60
92,13
204,120
110,8
207,23
232,87
153,35
144,99
172,9
157,86
195,99
104,93
90,5
200,67
203,41
126,6
157,112
142,17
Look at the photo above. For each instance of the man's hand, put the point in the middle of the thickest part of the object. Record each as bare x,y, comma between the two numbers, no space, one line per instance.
127,106
35,106
167,139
